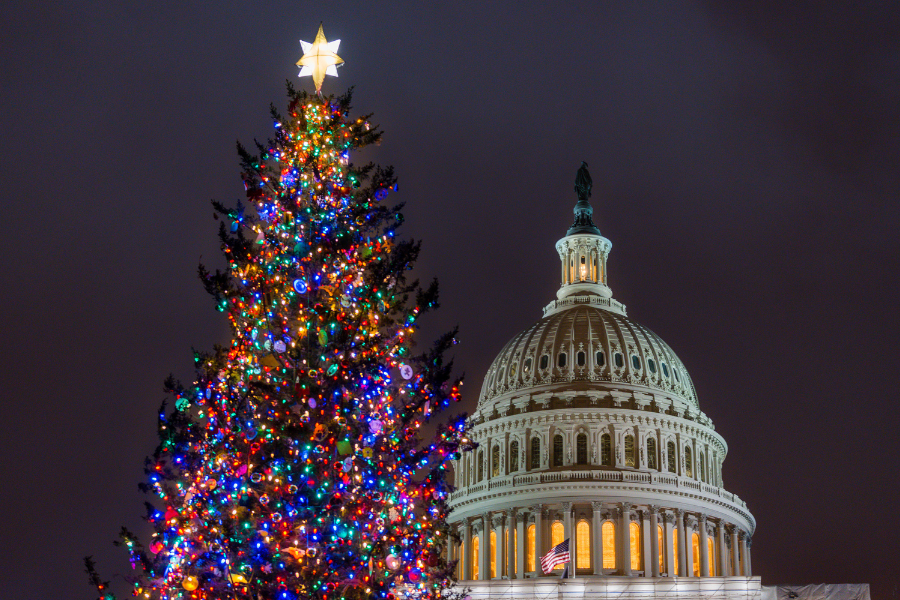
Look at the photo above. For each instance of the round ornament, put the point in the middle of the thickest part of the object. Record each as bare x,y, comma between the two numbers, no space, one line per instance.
280,346
392,562
300,286
190,583
156,547
406,371
345,301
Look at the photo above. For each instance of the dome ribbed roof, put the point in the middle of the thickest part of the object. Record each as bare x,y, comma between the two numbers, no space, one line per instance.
582,333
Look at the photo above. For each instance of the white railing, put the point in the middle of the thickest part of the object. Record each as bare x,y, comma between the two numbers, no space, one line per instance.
652,479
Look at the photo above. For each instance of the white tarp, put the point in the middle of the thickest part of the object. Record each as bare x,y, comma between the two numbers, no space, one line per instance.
817,591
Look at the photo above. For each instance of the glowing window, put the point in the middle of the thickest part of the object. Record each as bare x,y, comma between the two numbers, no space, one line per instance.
475,561
561,360
635,361
545,362
651,453
688,462
581,359
581,449
619,360
557,452
515,548
670,458
583,545
529,548
661,547
695,552
710,557
608,533
495,461
557,533
514,456
629,450
675,549
605,449
634,533
493,554
527,367
535,452
601,359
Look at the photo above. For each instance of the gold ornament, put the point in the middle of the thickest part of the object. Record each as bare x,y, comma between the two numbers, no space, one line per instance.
190,583
319,59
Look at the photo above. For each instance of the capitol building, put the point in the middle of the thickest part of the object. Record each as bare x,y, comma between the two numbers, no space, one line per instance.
589,429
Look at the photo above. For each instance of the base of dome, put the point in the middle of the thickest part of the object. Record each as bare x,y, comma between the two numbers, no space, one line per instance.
611,587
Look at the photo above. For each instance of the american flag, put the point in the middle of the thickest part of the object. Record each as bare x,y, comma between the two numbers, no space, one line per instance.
558,555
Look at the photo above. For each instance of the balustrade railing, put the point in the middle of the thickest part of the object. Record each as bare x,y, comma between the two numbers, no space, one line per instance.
654,479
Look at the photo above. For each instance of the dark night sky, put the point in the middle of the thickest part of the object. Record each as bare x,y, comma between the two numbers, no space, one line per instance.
745,166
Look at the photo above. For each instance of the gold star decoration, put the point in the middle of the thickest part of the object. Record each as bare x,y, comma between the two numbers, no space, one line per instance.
319,59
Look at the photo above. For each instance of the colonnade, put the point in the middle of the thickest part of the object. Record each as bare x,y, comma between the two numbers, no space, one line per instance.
618,539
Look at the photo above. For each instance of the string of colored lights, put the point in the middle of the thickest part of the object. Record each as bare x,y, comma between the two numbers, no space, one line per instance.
293,466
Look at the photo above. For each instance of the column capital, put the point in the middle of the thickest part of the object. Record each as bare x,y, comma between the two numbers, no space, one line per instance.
653,509
536,508
567,506
679,513
702,518
498,520
668,517
597,506
626,506
512,513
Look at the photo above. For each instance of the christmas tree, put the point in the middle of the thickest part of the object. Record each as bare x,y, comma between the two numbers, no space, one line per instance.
294,466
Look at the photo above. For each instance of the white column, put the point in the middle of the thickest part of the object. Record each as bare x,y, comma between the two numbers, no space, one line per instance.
749,566
499,554
567,535
745,561
722,548
669,543
704,553
689,547
654,541
538,511
625,539
597,538
735,553
511,531
484,548
682,536
521,535
466,557
645,543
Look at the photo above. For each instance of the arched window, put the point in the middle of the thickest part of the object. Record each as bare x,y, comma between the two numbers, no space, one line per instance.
545,362
688,462
629,450
665,369
711,557
530,564
600,358
527,368
661,547
480,465
695,552
561,360
675,550
493,554
619,359
608,533
557,452
700,467
651,453
495,461
581,359
583,545
634,533
475,561
670,458
535,453
557,533
606,450
500,378
651,364
675,373
514,456
581,449
635,361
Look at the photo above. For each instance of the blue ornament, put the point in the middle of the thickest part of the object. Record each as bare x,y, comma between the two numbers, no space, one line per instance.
300,286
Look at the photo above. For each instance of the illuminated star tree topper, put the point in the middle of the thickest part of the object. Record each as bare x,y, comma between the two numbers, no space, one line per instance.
319,59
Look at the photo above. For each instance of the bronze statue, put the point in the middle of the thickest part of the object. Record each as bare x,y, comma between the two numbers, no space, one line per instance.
583,182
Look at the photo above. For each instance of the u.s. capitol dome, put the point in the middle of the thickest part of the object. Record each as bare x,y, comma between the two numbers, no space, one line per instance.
589,430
